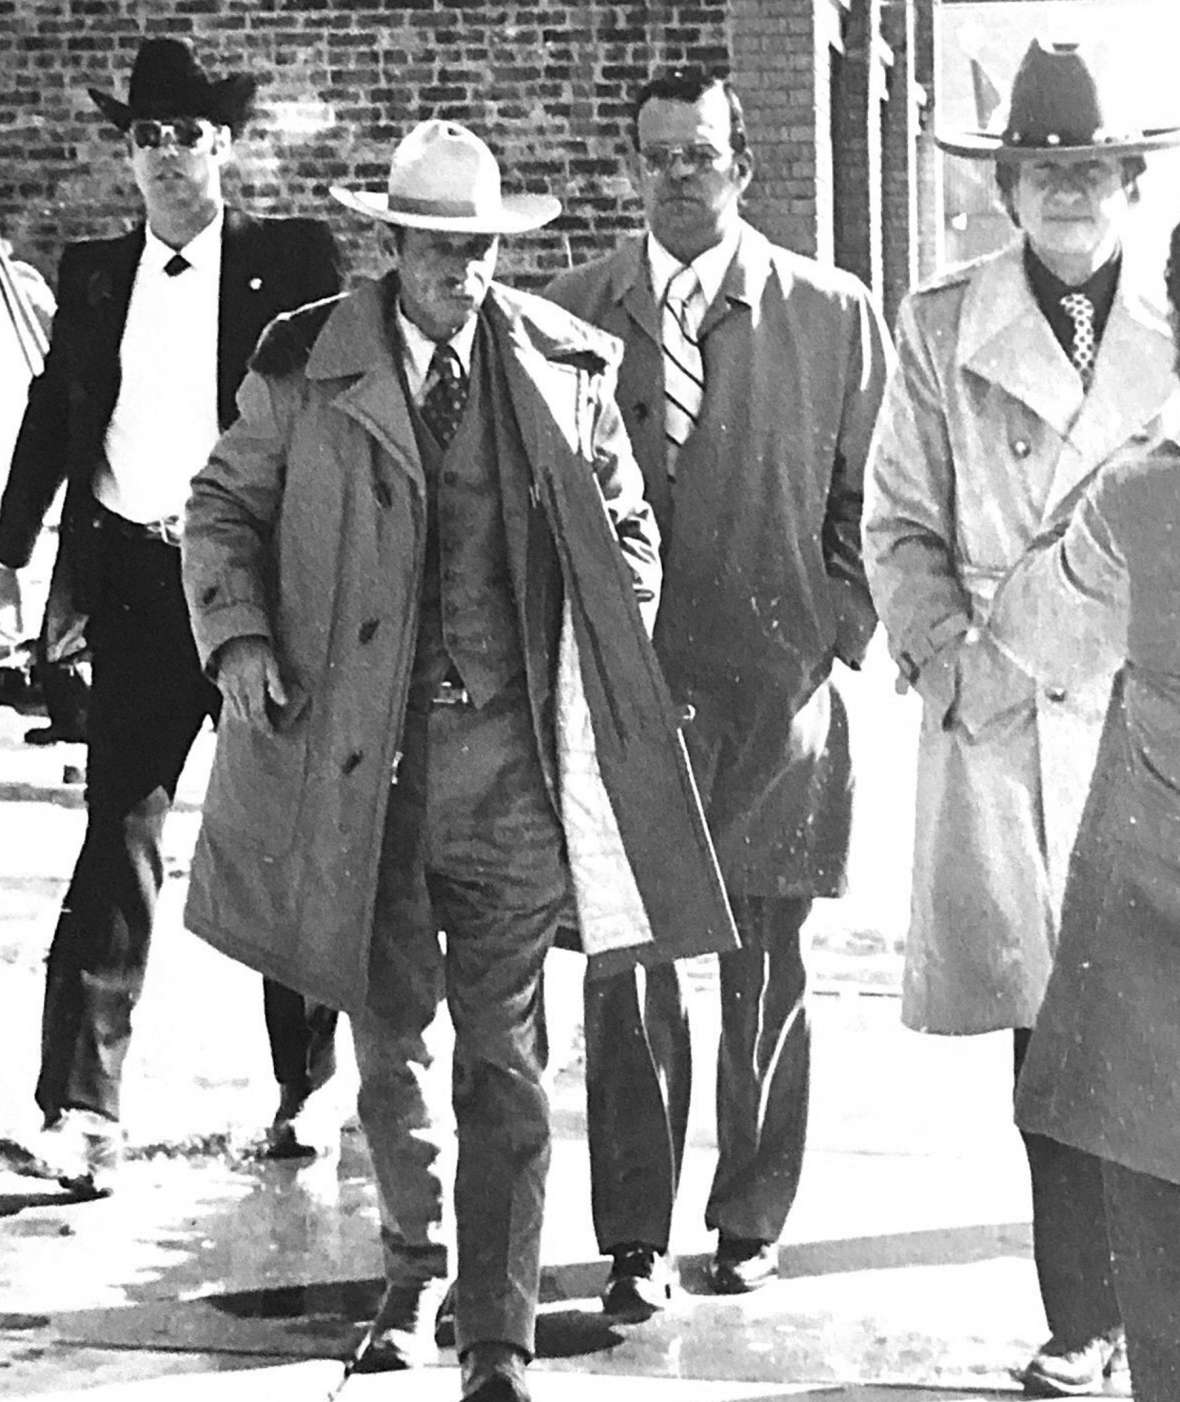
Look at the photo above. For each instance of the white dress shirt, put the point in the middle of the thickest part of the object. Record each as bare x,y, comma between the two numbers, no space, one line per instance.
710,266
419,351
165,420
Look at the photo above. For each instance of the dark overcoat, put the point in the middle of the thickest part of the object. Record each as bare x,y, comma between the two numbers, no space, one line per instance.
307,526
763,582
268,266
1101,1071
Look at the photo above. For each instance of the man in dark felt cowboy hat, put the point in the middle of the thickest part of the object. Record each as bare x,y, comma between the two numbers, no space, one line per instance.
435,472
1018,377
149,345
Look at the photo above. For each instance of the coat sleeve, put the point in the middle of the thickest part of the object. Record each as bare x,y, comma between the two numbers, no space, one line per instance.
1061,611
869,356
233,504
620,481
40,455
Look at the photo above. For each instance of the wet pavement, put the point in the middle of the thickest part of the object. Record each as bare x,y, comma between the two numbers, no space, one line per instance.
905,1267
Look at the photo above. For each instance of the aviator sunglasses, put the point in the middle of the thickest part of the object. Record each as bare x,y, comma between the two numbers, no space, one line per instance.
188,132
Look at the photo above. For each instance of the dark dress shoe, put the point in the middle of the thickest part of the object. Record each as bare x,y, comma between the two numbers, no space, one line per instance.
639,1284
1063,1369
494,1372
401,1335
742,1264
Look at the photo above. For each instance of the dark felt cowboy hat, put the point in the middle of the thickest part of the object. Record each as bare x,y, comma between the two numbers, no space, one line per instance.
442,176
1057,111
167,81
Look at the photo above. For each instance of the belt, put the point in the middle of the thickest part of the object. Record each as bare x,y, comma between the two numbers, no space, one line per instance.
163,532
451,694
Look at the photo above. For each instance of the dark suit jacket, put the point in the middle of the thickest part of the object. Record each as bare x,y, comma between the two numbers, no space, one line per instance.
268,266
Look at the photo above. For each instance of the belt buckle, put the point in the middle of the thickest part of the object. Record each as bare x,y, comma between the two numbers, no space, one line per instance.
451,694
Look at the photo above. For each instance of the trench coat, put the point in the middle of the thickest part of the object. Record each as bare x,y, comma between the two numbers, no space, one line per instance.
1101,1070
763,581
985,439
307,527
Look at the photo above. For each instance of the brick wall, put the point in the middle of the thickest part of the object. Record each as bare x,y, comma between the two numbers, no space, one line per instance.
547,82
544,81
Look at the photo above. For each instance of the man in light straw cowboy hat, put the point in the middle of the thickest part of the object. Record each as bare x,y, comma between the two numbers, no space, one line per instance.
1019,376
150,342
422,570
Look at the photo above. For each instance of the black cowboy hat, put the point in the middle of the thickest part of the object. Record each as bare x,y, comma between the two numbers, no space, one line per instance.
167,81
1056,111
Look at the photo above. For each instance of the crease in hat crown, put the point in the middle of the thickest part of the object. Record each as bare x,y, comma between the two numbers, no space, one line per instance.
1058,109
442,176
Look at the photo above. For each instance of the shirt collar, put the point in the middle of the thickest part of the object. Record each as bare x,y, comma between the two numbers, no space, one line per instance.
1048,288
710,266
420,348
202,251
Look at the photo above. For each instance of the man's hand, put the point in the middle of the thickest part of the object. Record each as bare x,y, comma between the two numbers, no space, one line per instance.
248,677
12,617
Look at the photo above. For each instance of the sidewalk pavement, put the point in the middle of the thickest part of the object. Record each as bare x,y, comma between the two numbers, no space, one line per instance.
905,1267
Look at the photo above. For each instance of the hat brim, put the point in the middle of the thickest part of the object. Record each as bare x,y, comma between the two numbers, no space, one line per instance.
116,112
984,146
518,214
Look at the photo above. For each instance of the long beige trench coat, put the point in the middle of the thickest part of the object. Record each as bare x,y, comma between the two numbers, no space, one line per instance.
985,439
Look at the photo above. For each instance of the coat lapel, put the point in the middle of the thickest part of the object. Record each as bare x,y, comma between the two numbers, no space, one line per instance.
1006,340
354,345
1121,407
108,295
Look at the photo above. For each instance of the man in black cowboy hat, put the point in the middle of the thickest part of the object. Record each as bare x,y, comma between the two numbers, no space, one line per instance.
423,554
150,343
1018,377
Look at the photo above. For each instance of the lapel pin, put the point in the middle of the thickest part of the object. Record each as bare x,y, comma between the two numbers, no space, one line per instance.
255,284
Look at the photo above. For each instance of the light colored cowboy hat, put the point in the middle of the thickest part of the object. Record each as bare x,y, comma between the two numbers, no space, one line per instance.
1057,111
442,176
167,81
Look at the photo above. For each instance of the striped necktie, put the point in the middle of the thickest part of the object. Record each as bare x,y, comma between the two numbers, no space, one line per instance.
1080,310
684,370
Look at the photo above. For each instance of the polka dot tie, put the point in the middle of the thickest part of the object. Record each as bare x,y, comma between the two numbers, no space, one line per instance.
446,394
1080,311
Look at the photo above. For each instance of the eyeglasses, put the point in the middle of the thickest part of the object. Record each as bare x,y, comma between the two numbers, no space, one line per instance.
1089,176
658,159
188,132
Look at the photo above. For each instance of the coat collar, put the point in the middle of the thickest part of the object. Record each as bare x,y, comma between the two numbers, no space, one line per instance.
742,285
353,346
1004,338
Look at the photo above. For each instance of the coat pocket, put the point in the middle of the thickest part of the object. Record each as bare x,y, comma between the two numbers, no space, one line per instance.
257,781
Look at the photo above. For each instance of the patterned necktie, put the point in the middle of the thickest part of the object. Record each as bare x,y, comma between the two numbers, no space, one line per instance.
1080,311
446,398
684,369
176,264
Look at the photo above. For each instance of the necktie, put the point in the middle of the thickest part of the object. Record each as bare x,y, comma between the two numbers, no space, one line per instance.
684,369
176,264
446,397
1080,311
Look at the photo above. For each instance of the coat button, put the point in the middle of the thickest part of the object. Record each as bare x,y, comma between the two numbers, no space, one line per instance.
352,761
367,630
641,412
1021,447
1055,693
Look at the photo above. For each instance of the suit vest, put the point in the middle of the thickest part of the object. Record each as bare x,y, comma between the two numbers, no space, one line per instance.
468,622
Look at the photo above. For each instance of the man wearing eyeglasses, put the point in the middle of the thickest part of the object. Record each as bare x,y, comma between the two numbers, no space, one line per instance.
749,386
150,342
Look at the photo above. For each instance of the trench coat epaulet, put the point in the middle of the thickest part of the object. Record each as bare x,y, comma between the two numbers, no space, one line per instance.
954,276
285,345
